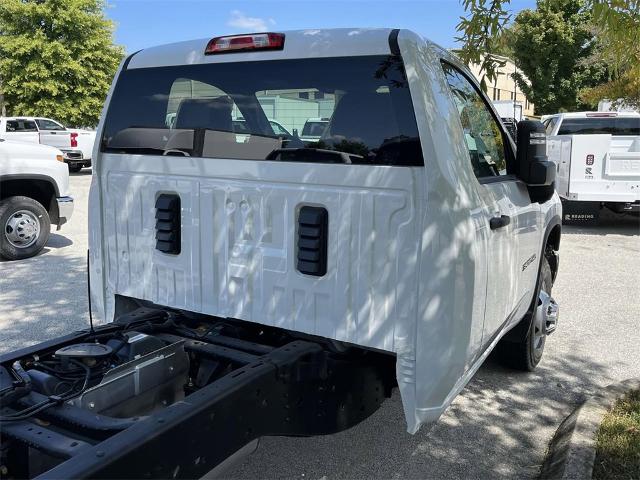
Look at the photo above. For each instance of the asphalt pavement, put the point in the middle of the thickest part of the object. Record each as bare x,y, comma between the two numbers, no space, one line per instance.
498,427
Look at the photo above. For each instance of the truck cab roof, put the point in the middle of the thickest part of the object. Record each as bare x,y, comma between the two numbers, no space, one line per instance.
592,114
310,43
583,123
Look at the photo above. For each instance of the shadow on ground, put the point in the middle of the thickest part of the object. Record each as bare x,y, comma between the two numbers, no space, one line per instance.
81,173
58,241
492,417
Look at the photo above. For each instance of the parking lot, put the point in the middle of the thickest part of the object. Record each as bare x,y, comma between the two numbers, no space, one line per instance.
499,427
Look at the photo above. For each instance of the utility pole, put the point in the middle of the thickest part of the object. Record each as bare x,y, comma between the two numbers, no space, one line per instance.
515,90
3,110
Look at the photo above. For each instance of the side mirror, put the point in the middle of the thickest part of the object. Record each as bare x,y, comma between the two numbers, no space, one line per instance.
533,168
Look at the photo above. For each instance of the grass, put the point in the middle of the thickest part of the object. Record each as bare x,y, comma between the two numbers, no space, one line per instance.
618,441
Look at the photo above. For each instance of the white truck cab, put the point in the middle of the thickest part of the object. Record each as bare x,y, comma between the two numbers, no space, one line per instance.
397,249
598,161
34,193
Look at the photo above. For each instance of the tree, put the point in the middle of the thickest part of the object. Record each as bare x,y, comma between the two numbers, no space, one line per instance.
486,24
57,58
617,27
615,24
551,46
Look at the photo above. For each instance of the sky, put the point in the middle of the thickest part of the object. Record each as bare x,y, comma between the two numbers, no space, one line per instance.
144,23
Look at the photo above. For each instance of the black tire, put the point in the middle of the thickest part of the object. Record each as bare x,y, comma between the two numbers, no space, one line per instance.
10,217
525,354
75,168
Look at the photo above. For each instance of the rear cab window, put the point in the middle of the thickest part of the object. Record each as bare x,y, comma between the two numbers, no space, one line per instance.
331,110
600,125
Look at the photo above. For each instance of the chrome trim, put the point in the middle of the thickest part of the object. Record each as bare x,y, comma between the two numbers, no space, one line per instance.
549,311
65,209
72,154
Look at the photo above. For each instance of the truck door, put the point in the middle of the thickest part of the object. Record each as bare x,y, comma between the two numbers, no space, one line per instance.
53,134
504,198
21,130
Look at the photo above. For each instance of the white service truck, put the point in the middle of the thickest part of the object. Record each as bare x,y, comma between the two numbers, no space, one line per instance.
509,109
75,144
34,193
249,284
597,155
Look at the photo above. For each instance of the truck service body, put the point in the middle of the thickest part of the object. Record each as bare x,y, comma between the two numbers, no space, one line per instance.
598,160
398,250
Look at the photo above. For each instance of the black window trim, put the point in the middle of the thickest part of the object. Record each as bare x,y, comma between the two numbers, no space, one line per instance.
509,177
510,153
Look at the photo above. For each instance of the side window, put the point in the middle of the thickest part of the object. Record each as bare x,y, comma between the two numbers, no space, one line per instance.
29,126
45,124
305,110
550,124
484,137
191,101
225,122
20,125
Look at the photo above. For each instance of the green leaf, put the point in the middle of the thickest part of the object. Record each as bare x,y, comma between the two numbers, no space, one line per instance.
57,59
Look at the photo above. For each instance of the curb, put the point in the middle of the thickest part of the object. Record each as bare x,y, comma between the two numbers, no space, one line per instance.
572,451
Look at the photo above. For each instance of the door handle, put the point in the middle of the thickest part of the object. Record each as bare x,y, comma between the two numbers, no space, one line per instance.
499,222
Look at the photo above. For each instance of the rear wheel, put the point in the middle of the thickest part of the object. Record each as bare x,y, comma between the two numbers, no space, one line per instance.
526,353
25,227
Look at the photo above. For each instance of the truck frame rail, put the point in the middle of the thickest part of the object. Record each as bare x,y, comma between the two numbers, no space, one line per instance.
299,388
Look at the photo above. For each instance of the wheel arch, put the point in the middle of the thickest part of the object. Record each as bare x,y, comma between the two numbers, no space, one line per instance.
40,188
551,245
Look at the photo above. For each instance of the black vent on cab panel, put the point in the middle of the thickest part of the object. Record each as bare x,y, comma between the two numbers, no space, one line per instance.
313,226
168,223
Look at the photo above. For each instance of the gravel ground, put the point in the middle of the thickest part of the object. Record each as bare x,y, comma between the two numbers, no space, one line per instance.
500,425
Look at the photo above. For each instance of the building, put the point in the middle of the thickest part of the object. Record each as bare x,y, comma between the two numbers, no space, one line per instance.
504,86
